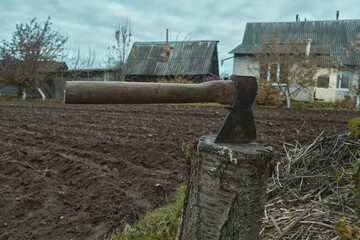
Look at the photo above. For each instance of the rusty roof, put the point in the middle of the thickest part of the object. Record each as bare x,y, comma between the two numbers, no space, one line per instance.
185,58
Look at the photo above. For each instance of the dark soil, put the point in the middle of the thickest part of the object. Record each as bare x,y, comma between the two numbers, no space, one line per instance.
80,171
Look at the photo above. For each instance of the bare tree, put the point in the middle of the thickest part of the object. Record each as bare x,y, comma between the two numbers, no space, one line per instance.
118,52
25,57
288,65
76,61
354,51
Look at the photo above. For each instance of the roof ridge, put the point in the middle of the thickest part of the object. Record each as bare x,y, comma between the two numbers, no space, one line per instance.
162,42
342,20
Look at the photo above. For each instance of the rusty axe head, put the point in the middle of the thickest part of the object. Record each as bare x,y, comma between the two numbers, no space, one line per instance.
239,125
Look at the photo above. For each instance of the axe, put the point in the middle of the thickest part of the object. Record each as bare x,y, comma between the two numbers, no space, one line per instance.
239,91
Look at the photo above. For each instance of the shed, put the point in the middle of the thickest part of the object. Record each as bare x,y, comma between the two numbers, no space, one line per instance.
59,78
10,88
193,60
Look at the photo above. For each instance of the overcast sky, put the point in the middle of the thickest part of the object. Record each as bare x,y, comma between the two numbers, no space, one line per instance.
91,24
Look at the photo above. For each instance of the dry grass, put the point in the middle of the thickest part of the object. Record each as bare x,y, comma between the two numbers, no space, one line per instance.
304,200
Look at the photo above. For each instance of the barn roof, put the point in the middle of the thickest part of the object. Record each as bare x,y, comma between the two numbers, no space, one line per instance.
336,34
48,66
185,58
52,66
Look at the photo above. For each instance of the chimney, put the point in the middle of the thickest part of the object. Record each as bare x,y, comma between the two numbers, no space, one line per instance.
297,17
337,15
308,46
164,56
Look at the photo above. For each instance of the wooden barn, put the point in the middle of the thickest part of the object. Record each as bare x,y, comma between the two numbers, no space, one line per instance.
192,60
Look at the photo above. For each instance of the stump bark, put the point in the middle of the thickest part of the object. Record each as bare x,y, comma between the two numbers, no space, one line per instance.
226,191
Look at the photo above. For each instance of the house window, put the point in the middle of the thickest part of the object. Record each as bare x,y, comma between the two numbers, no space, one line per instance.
343,80
323,82
273,73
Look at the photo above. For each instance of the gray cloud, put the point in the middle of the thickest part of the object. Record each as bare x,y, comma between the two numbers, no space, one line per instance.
90,23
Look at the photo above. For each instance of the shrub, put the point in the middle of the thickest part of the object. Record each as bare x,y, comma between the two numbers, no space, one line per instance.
312,105
268,95
342,229
177,79
354,128
345,104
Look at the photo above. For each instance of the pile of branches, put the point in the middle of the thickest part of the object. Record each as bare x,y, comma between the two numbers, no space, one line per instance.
303,186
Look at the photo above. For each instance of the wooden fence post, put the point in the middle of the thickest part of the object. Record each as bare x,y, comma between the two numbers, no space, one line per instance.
226,191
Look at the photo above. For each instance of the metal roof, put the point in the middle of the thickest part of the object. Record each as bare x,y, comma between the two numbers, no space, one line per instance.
336,34
47,66
51,66
185,58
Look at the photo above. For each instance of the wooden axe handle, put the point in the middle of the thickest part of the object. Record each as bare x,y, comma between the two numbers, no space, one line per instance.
220,91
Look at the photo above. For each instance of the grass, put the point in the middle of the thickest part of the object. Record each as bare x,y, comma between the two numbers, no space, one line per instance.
159,224
29,99
200,104
191,104
10,97
339,105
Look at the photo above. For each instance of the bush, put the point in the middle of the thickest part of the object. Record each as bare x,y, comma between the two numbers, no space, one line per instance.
177,79
312,105
342,229
354,128
345,104
268,95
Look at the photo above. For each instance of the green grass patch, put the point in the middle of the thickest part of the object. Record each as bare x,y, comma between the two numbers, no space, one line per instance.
159,224
191,104
6,97
339,105
10,97
200,104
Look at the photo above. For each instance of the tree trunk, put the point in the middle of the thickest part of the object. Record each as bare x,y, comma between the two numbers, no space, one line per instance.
288,101
41,93
226,191
357,103
24,93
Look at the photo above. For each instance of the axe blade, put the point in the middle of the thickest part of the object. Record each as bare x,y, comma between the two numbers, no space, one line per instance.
239,126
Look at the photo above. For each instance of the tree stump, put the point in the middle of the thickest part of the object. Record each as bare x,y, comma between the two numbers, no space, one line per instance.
226,191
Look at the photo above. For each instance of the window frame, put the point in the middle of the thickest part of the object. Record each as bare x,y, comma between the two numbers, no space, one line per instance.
278,71
323,77
339,79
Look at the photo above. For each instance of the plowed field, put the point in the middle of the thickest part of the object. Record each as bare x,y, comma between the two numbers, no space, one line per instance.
79,171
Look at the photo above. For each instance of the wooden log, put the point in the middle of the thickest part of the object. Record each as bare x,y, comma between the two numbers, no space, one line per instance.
219,91
226,191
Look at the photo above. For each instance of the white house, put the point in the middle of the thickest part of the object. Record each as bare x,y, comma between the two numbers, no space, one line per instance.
333,84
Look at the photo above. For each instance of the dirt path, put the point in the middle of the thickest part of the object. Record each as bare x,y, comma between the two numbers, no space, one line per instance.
79,171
